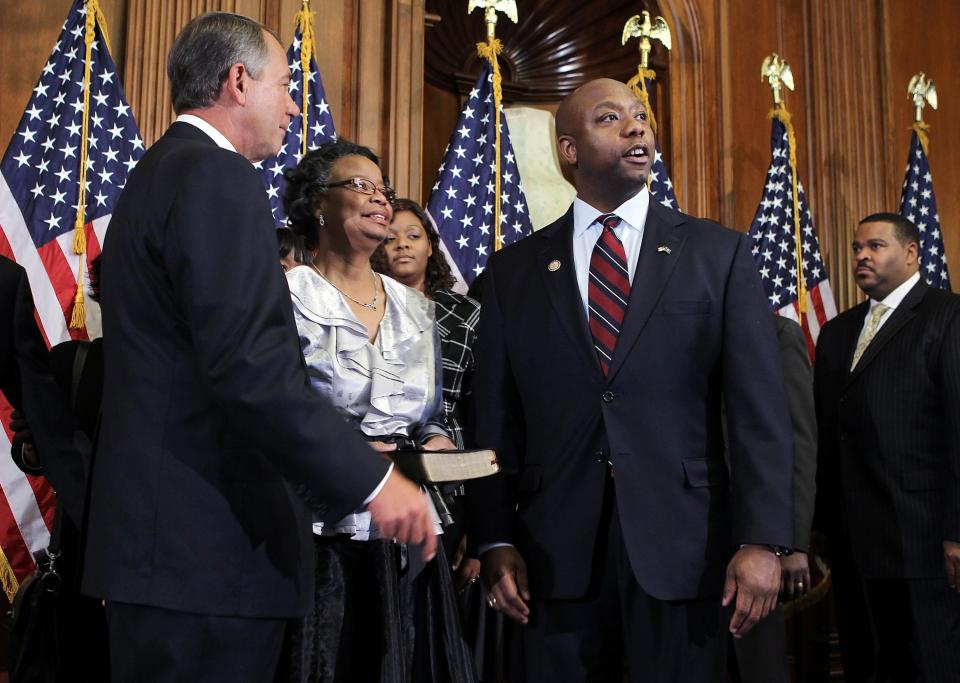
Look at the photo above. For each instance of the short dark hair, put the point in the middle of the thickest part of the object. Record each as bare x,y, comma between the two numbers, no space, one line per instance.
904,229
288,242
438,275
307,185
203,52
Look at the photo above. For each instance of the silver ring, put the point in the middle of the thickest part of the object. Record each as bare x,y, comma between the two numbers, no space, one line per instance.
492,602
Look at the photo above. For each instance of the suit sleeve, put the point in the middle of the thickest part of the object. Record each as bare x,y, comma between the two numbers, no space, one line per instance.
63,448
758,420
495,410
220,253
950,374
798,378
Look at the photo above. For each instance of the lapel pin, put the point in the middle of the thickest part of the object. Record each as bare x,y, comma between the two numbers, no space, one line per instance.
553,266
664,249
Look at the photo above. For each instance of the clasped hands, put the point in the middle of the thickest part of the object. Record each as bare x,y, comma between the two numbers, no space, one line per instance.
753,580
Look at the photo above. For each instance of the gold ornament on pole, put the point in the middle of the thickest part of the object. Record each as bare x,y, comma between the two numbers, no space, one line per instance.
922,92
776,72
489,51
647,31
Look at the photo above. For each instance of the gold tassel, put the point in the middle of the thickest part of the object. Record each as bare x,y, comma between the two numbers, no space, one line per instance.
639,86
304,21
78,316
7,578
780,112
489,51
922,129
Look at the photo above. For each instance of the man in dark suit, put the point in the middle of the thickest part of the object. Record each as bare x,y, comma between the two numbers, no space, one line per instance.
761,656
29,386
606,343
887,384
196,538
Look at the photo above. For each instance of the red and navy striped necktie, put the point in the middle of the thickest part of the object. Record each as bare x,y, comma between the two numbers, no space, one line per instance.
608,291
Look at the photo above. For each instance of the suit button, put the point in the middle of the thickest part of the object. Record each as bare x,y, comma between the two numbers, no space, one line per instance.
607,397
600,456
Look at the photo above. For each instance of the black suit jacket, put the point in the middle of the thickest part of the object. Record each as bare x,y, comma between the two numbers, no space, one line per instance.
798,379
889,457
207,414
25,379
697,328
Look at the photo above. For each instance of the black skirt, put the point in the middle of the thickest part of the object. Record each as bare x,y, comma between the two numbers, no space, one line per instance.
373,621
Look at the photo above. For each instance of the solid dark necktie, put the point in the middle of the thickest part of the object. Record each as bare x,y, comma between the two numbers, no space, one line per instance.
608,291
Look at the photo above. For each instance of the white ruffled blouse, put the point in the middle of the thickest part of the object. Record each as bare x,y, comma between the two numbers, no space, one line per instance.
389,387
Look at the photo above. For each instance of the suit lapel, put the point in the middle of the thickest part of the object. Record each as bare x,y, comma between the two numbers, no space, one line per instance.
654,267
903,314
561,283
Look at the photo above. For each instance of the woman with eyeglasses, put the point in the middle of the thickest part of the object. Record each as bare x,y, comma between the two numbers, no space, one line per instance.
379,613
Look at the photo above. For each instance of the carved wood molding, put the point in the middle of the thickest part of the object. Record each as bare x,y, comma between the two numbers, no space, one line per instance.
555,47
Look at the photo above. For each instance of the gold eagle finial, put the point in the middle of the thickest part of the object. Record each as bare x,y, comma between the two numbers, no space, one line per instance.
491,7
776,71
922,91
646,31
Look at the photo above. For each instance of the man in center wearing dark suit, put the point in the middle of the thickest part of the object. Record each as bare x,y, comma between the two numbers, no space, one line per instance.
607,342
196,538
887,388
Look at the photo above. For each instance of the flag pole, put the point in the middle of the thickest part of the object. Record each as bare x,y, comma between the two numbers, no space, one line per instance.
776,71
922,91
489,51
304,21
78,316
646,31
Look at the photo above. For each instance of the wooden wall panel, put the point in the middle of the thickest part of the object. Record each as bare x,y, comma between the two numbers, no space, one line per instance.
922,37
851,61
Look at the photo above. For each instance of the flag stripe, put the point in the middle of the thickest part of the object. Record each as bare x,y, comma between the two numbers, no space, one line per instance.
20,516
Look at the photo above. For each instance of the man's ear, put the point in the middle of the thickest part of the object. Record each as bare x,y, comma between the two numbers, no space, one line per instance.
567,148
235,85
913,253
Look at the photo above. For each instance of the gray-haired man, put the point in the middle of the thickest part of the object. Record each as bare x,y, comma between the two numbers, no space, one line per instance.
195,538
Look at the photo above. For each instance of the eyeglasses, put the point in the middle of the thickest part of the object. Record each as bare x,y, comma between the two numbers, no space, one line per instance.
364,186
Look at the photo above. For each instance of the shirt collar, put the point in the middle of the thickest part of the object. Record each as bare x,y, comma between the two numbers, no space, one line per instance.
894,298
632,213
209,129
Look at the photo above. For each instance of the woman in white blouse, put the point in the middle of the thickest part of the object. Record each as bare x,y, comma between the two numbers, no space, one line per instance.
370,345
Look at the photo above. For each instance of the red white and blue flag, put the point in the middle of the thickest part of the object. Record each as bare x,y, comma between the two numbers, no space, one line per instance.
462,201
919,206
775,247
39,196
318,124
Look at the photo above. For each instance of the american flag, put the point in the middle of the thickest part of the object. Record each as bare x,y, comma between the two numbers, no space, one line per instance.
661,187
775,248
659,183
319,126
39,188
462,200
919,206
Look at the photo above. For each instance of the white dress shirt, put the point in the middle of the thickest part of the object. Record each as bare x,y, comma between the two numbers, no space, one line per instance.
586,232
892,300
207,128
